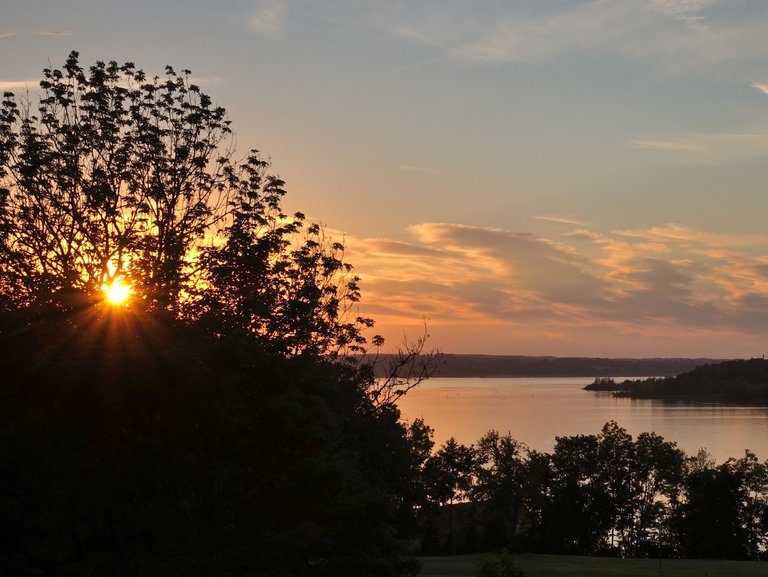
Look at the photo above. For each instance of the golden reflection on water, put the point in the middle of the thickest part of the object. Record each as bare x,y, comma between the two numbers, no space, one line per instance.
536,410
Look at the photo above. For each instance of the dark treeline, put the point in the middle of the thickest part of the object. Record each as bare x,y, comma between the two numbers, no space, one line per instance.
603,494
216,424
453,365
133,445
743,380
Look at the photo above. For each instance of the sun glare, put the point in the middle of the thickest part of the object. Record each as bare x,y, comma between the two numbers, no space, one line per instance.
117,293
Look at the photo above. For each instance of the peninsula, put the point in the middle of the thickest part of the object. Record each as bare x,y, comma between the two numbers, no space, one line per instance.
743,380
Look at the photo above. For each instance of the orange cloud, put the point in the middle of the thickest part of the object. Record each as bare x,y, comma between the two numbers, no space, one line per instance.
636,285
18,84
562,220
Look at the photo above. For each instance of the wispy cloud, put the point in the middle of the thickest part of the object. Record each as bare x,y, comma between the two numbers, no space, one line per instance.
7,34
677,233
689,145
206,80
708,147
562,220
673,34
625,285
761,86
686,11
54,33
544,35
19,84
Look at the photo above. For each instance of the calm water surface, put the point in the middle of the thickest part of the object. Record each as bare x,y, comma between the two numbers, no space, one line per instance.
536,410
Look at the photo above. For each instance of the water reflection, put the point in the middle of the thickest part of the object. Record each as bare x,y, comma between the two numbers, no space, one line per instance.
537,410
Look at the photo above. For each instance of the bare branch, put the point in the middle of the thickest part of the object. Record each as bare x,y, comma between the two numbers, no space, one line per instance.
410,365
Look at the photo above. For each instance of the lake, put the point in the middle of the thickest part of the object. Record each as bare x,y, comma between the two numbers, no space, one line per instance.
536,410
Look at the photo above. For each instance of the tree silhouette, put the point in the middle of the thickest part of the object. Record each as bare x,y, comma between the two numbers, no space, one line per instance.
216,424
577,517
110,174
116,176
616,457
501,473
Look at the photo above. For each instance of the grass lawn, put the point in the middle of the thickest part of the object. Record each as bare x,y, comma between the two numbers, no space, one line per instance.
570,566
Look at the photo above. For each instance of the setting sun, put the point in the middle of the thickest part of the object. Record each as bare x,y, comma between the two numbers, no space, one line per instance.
117,293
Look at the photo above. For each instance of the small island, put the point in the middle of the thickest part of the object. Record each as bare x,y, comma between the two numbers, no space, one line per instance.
743,381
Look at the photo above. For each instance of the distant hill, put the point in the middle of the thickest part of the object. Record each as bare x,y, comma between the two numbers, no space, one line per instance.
727,381
454,365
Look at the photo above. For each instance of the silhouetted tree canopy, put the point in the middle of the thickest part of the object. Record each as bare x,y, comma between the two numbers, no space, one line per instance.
114,176
604,494
214,424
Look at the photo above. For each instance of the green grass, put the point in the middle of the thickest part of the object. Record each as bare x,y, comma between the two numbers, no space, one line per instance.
570,566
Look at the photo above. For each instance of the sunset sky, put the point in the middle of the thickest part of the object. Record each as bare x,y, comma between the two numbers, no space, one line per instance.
534,177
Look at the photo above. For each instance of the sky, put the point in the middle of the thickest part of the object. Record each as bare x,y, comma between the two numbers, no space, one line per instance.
548,177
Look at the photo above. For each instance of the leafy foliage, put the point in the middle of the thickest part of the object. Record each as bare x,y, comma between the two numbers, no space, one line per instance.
114,174
215,425
118,176
604,494
135,447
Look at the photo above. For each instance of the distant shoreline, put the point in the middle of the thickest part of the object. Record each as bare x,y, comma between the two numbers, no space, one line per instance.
500,366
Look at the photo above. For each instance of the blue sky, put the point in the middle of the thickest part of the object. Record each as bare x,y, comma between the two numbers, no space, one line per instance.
539,177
